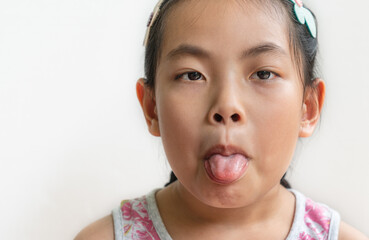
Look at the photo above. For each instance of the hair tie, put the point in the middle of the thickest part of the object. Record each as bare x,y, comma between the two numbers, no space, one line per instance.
152,18
304,16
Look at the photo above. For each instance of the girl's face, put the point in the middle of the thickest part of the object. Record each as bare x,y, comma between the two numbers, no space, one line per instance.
227,87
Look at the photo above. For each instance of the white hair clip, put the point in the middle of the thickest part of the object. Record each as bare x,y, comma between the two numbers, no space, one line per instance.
152,18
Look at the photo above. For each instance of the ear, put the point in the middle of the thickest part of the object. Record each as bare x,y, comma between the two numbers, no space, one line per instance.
312,106
148,104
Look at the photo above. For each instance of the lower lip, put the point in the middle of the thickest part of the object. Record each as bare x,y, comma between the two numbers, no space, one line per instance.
227,180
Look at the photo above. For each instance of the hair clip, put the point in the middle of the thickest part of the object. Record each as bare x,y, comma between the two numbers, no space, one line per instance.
304,16
152,18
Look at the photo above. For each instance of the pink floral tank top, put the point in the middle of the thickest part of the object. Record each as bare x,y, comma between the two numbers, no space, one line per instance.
139,219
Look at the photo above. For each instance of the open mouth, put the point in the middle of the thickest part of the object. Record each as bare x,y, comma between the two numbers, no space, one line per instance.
225,165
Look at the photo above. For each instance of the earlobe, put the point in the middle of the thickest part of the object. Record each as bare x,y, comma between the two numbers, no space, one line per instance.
148,105
312,107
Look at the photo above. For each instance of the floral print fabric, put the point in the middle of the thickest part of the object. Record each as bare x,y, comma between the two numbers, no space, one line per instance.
137,224
317,219
313,221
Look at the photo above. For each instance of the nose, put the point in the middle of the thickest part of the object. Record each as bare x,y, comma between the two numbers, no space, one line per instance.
219,118
226,108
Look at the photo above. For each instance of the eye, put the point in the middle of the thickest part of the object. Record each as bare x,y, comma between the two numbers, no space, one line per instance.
264,75
190,76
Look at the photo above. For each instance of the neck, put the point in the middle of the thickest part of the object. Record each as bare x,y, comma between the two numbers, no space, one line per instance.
181,203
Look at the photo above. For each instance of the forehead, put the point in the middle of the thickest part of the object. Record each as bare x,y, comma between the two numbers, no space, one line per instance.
225,27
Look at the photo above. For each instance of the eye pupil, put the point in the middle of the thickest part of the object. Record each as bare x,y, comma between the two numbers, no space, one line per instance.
263,74
194,75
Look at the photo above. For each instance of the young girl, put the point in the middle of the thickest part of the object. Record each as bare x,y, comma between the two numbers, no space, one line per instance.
230,87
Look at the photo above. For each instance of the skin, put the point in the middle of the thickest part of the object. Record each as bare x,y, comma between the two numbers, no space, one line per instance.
271,115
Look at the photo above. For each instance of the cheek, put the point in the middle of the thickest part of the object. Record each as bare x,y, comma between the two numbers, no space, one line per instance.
180,123
277,126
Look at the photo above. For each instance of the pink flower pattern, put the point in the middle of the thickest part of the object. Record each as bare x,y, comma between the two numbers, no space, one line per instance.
305,236
137,223
317,219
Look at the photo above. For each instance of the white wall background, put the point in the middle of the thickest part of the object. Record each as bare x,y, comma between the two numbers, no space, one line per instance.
73,141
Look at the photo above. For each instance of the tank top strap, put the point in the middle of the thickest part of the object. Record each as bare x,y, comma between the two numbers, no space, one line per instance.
139,218
313,220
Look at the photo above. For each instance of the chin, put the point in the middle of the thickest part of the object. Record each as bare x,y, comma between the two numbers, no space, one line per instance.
226,196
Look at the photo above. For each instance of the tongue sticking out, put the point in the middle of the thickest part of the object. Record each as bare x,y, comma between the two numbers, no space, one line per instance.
226,169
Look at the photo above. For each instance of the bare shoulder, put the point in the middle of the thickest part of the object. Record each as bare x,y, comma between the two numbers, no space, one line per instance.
349,233
102,229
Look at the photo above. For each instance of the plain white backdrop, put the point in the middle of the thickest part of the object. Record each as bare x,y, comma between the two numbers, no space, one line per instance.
73,140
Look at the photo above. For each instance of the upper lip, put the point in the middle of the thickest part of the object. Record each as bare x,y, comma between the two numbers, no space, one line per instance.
224,150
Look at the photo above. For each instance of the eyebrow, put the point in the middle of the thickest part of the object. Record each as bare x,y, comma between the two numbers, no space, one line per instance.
187,49
263,48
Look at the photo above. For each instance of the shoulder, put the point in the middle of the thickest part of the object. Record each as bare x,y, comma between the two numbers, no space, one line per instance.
314,220
102,229
347,232
320,219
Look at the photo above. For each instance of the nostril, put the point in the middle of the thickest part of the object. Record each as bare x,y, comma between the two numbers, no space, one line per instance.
235,117
218,117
